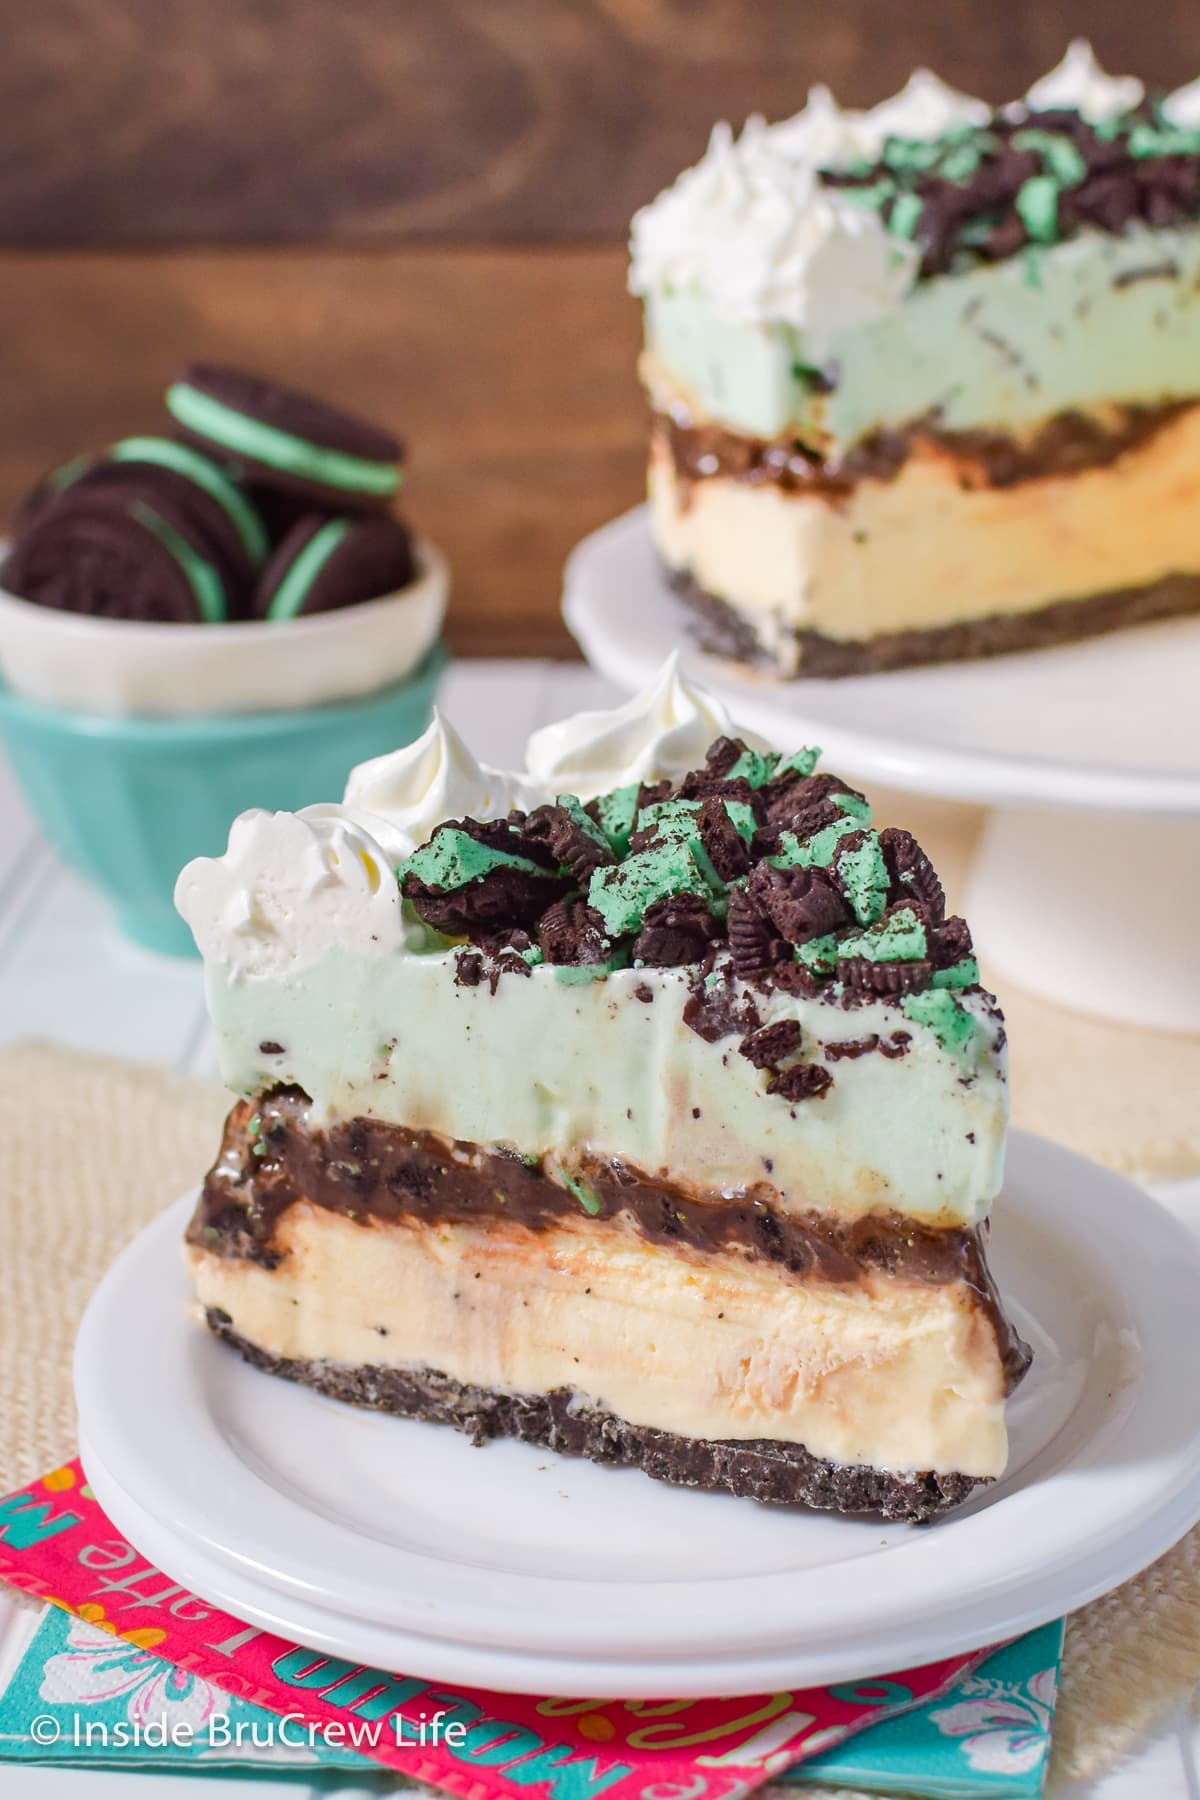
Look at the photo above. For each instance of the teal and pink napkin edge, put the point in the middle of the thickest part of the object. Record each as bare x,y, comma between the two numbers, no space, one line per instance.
75,1692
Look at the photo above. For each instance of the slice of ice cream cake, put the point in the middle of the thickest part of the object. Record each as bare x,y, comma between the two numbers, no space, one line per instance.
643,1104
924,379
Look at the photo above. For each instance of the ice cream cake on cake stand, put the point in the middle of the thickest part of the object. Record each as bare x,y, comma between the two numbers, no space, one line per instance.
1087,756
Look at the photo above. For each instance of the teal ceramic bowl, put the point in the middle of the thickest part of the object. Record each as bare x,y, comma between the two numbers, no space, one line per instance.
127,802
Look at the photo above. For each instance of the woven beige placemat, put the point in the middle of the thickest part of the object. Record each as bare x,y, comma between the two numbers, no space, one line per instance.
90,1149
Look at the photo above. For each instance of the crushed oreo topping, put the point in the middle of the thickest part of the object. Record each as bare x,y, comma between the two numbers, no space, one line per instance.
575,841
800,903
882,977
752,869
912,875
676,930
982,193
570,933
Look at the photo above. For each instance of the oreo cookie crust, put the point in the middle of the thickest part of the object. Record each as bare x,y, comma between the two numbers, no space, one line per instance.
134,556
776,1474
324,564
279,437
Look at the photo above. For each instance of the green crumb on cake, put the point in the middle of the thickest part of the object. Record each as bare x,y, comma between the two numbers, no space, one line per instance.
801,762
815,852
962,974
754,768
590,1202
1059,155
679,820
900,938
533,955
616,812
905,215
1037,204
578,974
621,894
675,819
571,806
819,955
453,859
856,806
864,878
937,1009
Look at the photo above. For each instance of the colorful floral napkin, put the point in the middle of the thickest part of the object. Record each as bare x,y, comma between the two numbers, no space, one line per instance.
127,1667
990,1737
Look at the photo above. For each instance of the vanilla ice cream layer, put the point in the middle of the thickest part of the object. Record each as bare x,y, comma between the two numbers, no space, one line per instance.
1095,320
920,551
892,1375
560,1068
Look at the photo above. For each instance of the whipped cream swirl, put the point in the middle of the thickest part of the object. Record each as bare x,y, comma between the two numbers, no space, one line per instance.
752,228
1079,84
1182,108
400,797
663,731
291,887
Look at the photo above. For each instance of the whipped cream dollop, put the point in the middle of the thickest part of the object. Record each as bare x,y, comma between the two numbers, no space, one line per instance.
1079,84
828,136
400,797
1182,108
663,731
293,886
752,228
926,107
289,886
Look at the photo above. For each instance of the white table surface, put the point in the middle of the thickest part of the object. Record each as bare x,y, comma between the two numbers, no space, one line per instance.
65,976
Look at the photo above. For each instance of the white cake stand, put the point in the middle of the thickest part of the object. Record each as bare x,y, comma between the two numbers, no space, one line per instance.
1086,884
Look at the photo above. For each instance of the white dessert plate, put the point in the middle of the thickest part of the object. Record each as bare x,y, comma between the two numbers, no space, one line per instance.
402,1546
1109,723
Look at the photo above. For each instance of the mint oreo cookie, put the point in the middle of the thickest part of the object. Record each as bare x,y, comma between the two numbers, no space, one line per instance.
279,438
323,564
123,556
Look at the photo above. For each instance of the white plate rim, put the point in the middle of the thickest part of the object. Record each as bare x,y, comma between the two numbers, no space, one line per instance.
1139,1525
788,711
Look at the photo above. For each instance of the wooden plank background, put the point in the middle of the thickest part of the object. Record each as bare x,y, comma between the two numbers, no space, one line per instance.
168,121
418,207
